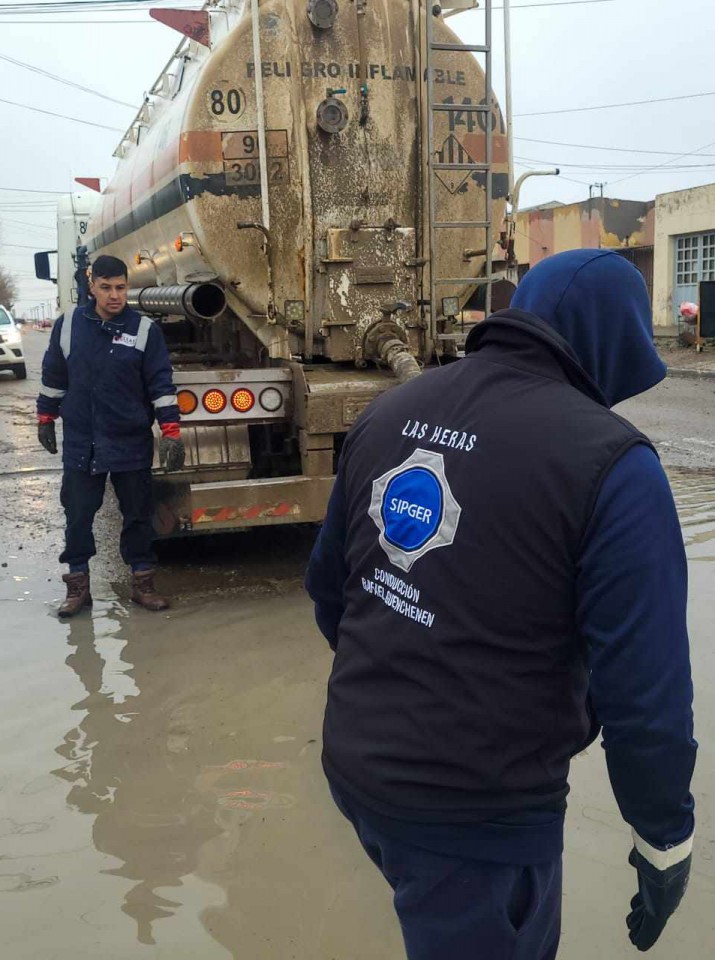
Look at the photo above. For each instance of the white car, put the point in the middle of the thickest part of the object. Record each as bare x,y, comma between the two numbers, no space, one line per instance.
12,354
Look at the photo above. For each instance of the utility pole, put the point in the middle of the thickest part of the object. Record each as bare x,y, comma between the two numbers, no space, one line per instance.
592,188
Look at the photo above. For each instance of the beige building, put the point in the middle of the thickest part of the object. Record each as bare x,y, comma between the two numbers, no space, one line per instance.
626,226
684,249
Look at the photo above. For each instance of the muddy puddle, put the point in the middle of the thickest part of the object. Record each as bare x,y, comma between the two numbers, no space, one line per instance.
161,794
694,492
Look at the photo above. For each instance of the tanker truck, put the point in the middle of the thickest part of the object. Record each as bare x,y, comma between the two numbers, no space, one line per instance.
307,199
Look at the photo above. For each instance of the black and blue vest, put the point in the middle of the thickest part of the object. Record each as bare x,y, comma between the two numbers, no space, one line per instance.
459,691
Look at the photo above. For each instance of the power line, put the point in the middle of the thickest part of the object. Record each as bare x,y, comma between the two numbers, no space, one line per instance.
665,167
52,213
62,116
555,3
34,20
22,190
581,183
151,23
612,106
114,6
69,83
25,223
100,5
56,4
618,167
593,146
71,5
49,207
667,163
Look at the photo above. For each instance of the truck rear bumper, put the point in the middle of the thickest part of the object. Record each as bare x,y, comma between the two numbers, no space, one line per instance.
191,508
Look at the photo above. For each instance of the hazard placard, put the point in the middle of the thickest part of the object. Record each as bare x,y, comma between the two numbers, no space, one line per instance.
453,152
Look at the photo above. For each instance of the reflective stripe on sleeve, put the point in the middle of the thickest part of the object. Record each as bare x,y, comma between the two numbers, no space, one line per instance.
145,325
66,335
52,393
663,859
168,401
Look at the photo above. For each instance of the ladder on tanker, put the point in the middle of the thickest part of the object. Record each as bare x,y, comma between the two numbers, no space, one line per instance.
438,162
260,115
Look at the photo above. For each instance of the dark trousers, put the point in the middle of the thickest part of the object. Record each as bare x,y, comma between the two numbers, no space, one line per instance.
454,909
82,496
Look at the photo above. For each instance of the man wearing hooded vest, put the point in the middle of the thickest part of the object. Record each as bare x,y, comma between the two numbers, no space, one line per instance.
502,575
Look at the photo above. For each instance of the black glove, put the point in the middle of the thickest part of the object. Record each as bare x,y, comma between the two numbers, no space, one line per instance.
171,454
47,436
658,897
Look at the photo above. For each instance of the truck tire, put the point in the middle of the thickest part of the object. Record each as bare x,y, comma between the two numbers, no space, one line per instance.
20,371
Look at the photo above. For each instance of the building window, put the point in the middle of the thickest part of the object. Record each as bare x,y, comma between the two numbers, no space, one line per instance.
708,257
687,260
695,259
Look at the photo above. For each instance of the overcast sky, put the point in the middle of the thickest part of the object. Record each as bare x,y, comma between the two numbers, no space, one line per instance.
565,55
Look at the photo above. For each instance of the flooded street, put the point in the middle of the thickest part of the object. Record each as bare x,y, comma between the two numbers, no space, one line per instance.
161,793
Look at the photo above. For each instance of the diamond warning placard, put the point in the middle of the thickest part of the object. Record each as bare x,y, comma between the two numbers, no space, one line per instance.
453,152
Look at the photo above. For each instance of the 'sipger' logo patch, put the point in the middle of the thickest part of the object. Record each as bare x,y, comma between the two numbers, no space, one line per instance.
125,340
414,509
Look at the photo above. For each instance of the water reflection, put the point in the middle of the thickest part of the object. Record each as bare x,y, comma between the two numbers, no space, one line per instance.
129,767
197,755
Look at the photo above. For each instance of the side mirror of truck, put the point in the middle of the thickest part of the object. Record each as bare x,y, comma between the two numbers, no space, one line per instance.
43,270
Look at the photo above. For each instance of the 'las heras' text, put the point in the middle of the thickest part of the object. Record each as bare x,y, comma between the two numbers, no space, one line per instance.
440,436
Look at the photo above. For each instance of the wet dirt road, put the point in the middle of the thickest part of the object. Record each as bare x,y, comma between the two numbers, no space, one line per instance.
160,791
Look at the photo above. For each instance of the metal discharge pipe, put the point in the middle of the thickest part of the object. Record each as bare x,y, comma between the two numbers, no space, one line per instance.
201,301
395,353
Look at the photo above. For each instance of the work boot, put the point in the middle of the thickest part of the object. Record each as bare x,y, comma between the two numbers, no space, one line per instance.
144,593
78,595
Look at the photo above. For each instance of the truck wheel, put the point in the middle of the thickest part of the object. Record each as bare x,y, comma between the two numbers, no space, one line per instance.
20,371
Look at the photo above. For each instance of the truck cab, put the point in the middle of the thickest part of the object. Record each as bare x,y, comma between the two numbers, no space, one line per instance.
61,266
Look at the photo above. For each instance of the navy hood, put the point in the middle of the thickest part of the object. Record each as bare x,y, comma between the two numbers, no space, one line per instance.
598,302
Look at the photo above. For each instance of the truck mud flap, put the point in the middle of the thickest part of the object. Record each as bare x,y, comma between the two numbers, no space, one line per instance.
236,504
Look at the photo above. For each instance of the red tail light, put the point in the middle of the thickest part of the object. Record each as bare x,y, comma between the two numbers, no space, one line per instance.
215,401
243,400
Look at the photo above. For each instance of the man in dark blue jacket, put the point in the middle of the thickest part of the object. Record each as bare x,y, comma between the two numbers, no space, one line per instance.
107,373
501,575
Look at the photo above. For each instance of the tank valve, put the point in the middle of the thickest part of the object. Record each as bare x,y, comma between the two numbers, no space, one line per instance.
333,115
322,13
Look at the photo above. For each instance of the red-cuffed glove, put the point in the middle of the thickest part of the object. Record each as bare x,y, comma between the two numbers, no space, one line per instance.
46,432
171,448
171,430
